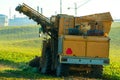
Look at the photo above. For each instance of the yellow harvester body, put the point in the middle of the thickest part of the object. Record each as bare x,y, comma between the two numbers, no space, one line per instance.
75,43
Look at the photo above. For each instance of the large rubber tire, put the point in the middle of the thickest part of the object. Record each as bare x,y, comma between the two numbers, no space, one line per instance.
96,71
62,70
46,68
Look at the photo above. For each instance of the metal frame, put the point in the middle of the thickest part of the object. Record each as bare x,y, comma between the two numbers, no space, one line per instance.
60,45
83,60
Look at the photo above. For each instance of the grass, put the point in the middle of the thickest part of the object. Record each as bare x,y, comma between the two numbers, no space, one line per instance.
18,33
111,72
18,45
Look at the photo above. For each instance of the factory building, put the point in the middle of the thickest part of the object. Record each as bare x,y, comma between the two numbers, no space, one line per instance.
21,21
3,20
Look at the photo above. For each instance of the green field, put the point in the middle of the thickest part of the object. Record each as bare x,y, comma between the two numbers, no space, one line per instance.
18,45
112,72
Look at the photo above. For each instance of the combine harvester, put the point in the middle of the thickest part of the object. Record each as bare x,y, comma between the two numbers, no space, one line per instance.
75,43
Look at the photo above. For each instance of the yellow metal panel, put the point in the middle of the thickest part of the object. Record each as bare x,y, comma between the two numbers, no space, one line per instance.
74,38
65,22
98,49
61,25
78,47
100,18
107,26
97,39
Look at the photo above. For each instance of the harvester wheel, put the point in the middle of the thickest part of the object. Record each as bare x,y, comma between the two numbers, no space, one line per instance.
46,67
96,71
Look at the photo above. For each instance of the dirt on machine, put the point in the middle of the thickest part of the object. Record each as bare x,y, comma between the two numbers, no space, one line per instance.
74,44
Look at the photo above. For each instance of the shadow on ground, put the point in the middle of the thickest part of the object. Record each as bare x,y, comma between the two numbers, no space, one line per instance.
111,77
10,63
22,70
25,72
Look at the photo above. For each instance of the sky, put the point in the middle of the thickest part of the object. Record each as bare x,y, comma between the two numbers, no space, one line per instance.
52,7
